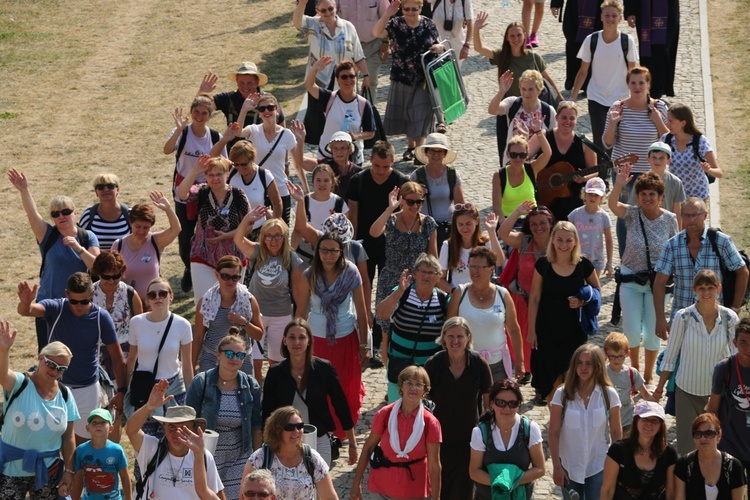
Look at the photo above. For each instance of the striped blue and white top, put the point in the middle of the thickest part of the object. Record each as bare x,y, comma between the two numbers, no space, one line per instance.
107,232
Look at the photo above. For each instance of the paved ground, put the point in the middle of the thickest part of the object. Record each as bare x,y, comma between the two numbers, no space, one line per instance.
473,136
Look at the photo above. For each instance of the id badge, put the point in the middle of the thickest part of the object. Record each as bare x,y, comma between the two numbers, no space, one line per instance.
432,318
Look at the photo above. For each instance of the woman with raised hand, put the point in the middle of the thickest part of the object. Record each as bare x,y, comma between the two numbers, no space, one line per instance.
108,218
142,248
65,247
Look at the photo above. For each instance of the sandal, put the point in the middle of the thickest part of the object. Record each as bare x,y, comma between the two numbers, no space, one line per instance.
408,155
441,128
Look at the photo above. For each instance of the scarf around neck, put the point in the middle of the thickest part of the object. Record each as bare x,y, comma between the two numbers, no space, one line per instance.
332,297
416,433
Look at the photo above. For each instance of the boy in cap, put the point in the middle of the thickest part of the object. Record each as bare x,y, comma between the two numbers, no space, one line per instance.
98,462
659,158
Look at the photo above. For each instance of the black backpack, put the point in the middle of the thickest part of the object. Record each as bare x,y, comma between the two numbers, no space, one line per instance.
503,122
95,207
728,278
306,458
83,238
623,43
24,384
696,142
338,205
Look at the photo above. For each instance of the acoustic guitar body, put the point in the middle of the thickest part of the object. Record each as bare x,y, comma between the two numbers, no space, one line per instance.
551,184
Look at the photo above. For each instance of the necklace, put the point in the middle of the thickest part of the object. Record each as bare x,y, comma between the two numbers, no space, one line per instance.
642,451
174,477
224,382
410,229
481,296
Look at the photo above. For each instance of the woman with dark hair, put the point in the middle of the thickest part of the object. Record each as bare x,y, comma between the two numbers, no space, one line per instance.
460,379
505,440
584,419
142,248
331,299
296,477
229,400
641,465
308,382
108,218
707,472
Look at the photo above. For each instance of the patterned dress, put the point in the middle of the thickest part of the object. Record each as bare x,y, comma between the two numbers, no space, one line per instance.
230,461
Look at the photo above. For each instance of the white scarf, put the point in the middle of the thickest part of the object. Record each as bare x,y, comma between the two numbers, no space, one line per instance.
212,302
416,432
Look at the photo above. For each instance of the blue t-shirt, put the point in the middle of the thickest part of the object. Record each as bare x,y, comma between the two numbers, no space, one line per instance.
60,263
101,479
36,424
81,335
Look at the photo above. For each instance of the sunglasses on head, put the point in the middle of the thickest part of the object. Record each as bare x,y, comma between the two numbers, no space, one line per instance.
710,434
347,76
102,187
267,107
57,213
111,277
411,203
54,366
230,354
514,154
228,277
323,11
83,302
462,206
163,294
501,403
292,426
539,208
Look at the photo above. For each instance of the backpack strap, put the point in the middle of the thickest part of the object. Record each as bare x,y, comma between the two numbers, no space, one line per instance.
485,434
267,456
93,210
9,401
51,240
330,101
696,146
131,294
307,458
262,178
525,430
156,248
633,392
532,177
180,146
452,179
307,206
625,45
338,205
593,43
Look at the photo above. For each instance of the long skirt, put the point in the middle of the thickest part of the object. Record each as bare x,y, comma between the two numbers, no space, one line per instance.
409,111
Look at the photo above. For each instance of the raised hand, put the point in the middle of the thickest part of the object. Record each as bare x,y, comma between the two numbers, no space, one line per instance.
295,192
257,213
393,8
405,280
193,440
7,336
505,81
158,395
537,121
491,221
160,201
179,120
298,129
623,174
251,102
18,179
201,166
208,84
615,112
232,131
526,207
27,294
321,63
481,21
393,198
520,128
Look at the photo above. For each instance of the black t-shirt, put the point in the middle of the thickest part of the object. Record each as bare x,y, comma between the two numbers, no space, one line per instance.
372,200
634,483
732,476
734,412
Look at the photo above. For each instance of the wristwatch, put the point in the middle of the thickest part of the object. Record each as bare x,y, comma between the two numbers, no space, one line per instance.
122,390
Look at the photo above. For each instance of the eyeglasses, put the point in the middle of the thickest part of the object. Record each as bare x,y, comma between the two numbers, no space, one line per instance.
330,251
110,277
348,76
476,268
83,302
102,187
413,385
521,155
411,203
256,494
323,11
435,150
263,109
54,366
275,237
463,206
501,403
241,164
427,273
616,357
230,354
228,277
57,213
410,9
292,426
163,294
710,434
691,216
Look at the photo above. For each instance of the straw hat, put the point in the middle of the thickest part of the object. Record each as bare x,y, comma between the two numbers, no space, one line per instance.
180,414
249,68
435,141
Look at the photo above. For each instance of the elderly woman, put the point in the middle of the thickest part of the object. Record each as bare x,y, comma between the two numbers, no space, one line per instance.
226,304
229,400
441,183
221,207
460,379
39,421
142,248
333,302
308,382
641,465
108,218
649,226
409,110
416,312
489,310
65,247
256,182
505,437
700,336
300,472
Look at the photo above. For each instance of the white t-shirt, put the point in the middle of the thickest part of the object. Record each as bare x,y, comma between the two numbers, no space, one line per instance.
275,162
254,191
343,116
460,274
147,336
477,443
455,11
320,210
181,468
608,70
194,148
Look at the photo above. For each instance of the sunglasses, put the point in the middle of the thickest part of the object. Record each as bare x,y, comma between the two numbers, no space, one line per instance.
323,11
256,494
411,203
102,187
276,237
230,354
290,427
462,206
710,434
57,213
330,251
435,150
230,277
268,107
501,403
83,302
54,366
348,77
476,268
163,294
111,277
243,164
521,155
410,9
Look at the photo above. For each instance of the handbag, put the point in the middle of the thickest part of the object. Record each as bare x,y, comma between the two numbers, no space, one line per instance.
143,381
397,365
379,129
335,442
669,288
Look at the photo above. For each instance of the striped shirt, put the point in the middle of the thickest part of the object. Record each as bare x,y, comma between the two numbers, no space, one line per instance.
106,231
698,349
405,323
635,133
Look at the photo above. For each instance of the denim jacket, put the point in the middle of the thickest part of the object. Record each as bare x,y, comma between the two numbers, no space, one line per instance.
204,395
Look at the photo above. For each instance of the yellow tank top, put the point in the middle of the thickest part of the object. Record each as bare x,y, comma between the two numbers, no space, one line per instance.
514,196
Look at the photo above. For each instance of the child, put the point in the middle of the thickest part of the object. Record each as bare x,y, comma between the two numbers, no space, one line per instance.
626,379
593,225
98,462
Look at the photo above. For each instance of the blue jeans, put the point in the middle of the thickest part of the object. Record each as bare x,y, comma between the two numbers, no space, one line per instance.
589,490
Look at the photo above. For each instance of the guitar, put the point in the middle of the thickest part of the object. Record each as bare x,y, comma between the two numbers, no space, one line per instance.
553,181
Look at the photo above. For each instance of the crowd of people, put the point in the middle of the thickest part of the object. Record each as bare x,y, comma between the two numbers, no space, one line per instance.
266,383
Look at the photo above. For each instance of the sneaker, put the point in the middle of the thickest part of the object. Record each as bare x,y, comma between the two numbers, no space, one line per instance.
186,283
376,361
539,400
533,40
526,378
528,44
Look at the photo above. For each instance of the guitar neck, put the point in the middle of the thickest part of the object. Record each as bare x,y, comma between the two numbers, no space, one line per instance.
584,172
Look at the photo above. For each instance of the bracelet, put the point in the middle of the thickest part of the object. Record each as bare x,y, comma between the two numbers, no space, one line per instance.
122,390
69,471
609,264
658,391
365,76
467,45
534,132
246,323
80,252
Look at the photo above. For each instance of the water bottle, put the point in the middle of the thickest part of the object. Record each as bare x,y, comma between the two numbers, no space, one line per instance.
504,4
348,120
573,494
